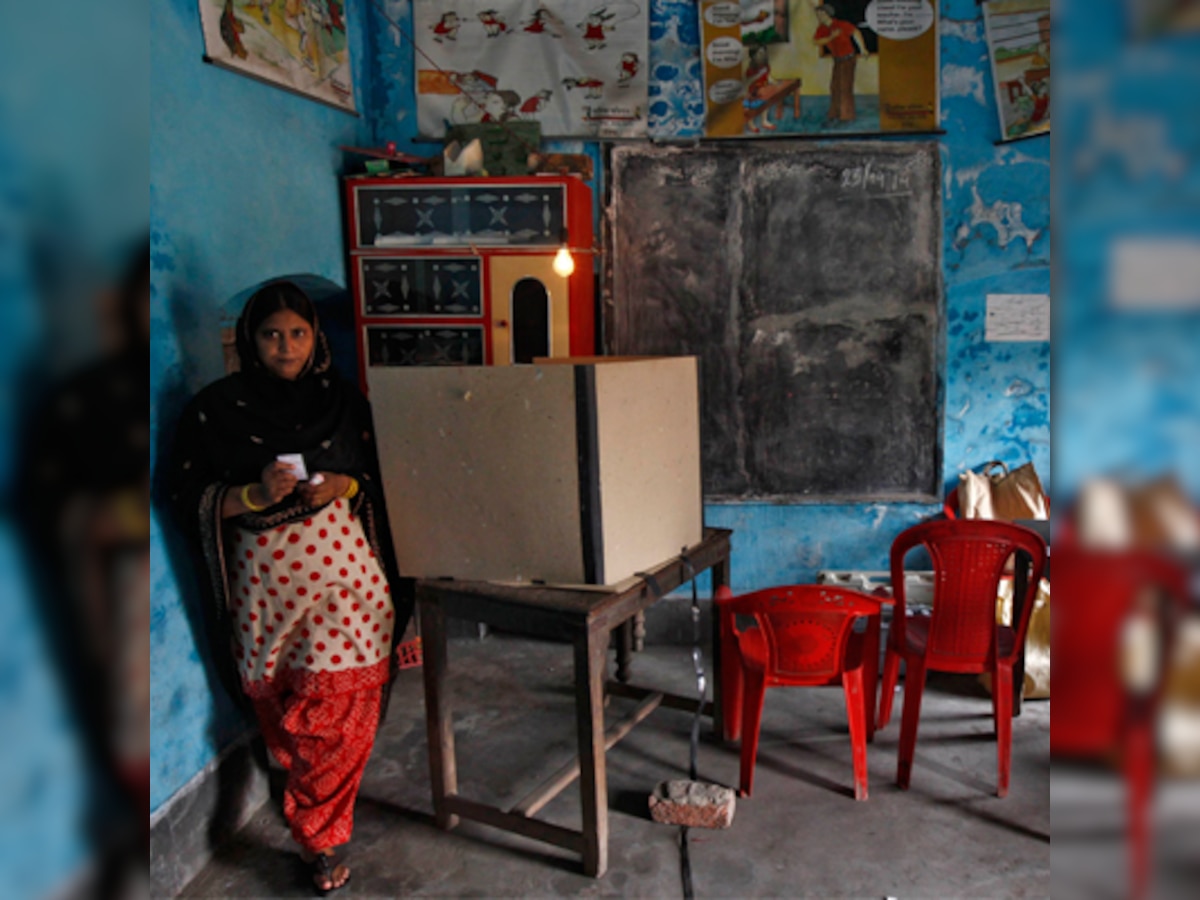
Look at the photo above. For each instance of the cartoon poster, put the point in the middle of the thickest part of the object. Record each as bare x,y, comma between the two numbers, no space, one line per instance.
578,67
1018,35
780,67
299,45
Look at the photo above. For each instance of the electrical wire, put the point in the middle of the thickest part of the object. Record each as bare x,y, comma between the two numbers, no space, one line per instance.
685,862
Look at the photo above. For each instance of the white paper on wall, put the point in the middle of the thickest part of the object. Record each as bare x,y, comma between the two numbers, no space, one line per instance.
579,67
1018,317
1159,273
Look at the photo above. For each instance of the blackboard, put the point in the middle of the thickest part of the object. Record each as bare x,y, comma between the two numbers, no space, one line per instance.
807,279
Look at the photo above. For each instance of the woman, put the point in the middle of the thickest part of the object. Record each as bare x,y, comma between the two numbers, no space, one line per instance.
299,560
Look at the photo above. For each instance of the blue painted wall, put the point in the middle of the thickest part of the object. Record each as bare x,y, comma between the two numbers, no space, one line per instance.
1130,398
996,215
244,185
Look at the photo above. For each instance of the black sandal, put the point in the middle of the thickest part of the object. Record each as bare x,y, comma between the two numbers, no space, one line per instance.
322,868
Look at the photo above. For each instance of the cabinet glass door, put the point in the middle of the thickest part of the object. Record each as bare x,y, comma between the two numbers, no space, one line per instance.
414,345
417,215
421,286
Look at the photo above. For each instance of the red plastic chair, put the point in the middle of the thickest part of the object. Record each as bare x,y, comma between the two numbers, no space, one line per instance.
803,636
950,504
1097,712
961,634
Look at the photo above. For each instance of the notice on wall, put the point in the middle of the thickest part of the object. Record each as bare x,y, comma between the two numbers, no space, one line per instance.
774,68
1159,273
1018,317
580,68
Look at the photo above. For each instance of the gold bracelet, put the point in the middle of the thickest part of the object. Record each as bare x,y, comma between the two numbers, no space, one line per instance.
351,492
247,502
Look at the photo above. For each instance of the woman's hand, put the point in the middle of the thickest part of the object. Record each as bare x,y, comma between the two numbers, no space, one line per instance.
278,480
319,491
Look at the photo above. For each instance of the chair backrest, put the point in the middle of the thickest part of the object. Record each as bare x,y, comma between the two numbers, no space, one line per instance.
950,504
806,626
1098,591
968,558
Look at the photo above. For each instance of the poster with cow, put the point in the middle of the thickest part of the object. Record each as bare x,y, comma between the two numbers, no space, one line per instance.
578,67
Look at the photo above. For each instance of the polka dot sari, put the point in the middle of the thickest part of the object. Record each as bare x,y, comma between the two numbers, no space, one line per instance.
311,606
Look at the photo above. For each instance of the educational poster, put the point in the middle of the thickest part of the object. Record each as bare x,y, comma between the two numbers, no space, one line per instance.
1018,35
578,67
779,67
299,45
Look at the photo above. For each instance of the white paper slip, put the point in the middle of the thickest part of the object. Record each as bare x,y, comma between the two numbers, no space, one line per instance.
296,461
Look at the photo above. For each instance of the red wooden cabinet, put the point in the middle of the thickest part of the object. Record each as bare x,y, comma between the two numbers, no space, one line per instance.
459,271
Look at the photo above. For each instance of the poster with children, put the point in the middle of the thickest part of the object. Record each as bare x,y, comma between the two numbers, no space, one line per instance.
779,67
578,67
1018,34
298,45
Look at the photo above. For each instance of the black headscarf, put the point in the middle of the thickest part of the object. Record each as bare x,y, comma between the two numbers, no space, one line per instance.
240,424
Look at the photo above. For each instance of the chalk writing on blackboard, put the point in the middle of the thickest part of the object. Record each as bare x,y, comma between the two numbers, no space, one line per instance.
880,181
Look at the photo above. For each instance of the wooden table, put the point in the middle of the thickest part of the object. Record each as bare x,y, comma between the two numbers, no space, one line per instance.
587,619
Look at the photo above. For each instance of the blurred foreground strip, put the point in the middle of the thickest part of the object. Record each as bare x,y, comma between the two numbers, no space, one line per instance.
1126,650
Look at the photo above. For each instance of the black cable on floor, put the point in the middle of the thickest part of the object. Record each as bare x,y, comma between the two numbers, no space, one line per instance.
685,862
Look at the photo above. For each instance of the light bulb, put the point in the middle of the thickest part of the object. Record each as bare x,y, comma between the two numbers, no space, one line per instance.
564,263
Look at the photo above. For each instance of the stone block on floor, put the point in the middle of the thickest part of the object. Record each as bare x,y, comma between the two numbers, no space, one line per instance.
693,803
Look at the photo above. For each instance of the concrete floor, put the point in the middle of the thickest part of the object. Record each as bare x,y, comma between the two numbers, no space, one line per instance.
800,835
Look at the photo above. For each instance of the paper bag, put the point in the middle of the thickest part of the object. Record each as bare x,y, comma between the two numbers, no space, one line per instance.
997,493
1002,494
1037,639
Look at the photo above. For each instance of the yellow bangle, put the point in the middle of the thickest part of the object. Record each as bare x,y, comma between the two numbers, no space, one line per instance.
351,492
247,502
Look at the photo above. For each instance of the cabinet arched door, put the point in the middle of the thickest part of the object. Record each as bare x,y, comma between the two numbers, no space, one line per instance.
530,320
530,309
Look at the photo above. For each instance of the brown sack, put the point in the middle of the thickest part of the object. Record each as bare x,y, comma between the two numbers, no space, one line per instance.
1037,639
996,493
1003,495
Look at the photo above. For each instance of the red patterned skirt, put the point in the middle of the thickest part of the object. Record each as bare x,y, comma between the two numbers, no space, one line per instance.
313,614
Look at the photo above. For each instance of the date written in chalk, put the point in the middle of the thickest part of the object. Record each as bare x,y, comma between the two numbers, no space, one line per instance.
870,179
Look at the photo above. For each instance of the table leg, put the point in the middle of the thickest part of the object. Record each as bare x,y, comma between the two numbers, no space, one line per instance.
1020,585
625,640
590,657
720,578
443,770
